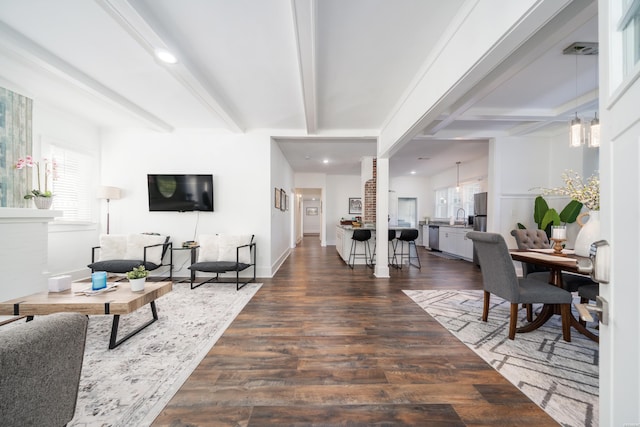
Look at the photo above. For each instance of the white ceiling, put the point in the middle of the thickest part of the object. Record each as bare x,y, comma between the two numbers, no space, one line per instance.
322,77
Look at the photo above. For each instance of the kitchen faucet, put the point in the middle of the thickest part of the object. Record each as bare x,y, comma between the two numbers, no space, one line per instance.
463,215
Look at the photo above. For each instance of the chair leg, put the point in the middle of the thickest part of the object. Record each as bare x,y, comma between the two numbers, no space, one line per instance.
513,319
565,312
529,308
485,309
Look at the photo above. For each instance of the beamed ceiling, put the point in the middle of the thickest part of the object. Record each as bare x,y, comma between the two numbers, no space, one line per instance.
322,77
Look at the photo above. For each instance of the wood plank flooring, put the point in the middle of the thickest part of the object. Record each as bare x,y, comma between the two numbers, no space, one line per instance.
321,344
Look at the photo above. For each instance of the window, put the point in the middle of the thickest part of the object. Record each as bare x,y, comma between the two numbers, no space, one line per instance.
449,201
72,184
629,26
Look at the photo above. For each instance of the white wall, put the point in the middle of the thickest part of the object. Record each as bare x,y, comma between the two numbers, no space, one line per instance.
315,180
242,184
521,165
311,223
339,189
281,221
69,244
413,186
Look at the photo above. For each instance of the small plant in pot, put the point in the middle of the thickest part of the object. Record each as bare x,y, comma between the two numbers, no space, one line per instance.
137,277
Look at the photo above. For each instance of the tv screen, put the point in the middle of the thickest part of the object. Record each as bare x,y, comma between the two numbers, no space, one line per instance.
180,193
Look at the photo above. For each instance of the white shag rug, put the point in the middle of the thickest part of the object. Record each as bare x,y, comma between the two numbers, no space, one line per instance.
131,384
560,377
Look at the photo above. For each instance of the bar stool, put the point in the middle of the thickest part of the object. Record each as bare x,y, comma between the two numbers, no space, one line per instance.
362,236
391,236
408,236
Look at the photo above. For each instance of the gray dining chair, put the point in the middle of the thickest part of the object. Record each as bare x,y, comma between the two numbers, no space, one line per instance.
537,239
499,278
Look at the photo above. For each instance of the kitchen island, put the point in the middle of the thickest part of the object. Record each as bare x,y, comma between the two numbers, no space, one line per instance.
343,241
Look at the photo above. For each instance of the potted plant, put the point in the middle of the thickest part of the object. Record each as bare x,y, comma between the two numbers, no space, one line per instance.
42,199
137,277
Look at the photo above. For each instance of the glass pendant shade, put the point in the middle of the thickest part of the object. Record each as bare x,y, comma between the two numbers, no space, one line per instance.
594,133
576,134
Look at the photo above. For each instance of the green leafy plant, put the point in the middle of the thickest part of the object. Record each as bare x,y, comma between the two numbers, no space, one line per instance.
545,217
137,273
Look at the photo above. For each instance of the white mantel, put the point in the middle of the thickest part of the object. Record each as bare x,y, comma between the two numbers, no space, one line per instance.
24,234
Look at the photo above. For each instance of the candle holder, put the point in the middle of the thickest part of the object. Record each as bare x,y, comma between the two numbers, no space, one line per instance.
557,246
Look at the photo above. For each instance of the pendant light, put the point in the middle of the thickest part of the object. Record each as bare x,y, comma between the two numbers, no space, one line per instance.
458,177
594,129
594,134
576,129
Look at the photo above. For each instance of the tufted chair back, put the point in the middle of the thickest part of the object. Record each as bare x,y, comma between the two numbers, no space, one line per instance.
531,239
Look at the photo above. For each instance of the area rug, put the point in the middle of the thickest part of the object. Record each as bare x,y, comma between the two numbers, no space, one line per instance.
131,384
560,377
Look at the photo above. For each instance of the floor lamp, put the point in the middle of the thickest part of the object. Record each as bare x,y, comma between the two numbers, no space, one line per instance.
109,193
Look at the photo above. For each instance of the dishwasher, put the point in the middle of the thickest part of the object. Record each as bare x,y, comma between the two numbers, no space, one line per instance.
434,237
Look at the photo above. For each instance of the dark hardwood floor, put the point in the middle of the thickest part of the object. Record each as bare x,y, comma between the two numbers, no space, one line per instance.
321,344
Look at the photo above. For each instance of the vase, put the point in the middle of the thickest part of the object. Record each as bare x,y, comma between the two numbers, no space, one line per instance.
137,285
589,233
43,202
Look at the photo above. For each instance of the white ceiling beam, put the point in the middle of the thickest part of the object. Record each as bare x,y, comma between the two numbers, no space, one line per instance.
47,61
572,17
304,26
138,27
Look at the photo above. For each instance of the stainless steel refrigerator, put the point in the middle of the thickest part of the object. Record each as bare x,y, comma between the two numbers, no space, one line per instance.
479,217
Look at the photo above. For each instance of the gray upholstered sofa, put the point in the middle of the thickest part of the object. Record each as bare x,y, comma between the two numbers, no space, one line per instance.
40,365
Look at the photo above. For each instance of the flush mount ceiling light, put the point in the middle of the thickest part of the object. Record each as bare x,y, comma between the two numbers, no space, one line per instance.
165,56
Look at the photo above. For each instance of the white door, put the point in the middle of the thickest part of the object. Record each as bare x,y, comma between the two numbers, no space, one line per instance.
620,214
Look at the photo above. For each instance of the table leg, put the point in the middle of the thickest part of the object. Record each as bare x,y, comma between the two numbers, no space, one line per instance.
545,314
114,342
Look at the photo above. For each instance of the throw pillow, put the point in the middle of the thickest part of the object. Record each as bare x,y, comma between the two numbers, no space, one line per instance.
228,245
136,244
208,250
112,246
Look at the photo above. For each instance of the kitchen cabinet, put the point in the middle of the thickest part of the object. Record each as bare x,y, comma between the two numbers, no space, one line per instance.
454,241
343,243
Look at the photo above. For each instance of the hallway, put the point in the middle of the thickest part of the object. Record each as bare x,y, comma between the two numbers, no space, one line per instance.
321,344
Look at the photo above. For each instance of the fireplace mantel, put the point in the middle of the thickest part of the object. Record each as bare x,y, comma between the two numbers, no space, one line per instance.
24,251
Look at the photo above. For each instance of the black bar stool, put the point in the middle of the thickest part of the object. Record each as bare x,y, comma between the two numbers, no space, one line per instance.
391,236
362,236
408,236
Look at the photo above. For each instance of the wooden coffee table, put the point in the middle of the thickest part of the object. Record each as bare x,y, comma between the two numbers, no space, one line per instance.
117,302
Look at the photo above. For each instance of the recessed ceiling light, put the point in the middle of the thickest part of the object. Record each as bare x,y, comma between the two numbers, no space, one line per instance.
325,161
413,172
165,56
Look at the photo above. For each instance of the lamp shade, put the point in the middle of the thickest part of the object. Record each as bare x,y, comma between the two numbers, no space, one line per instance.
109,193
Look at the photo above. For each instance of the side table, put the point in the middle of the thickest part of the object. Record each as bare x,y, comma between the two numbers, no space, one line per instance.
193,250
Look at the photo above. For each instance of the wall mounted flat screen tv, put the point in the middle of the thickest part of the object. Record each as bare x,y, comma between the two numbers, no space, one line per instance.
180,193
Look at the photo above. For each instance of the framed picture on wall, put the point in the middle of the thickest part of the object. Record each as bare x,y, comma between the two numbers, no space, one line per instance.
277,198
311,211
355,205
283,201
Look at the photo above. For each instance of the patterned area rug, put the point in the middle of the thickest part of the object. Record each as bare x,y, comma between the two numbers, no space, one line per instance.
560,377
131,384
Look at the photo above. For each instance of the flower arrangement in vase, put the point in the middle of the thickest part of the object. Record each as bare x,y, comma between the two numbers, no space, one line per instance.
137,277
587,193
42,199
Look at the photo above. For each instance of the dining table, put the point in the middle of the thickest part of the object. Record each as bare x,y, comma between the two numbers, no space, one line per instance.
566,261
